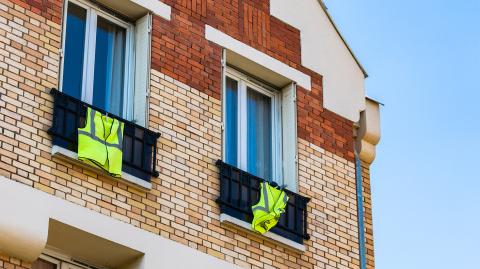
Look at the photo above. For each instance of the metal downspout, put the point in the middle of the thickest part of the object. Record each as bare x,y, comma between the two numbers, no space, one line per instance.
360,213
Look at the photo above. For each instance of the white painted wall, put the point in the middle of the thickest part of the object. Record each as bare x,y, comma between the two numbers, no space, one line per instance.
324,52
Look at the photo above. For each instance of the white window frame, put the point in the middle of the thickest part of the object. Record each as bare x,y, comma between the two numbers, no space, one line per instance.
64,261
243,82
93,11
48,258
61,261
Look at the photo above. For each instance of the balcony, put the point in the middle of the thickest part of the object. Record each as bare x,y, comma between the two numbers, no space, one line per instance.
240,190
139,143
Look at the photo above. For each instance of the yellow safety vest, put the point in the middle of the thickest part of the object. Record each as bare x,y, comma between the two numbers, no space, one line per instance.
100,142
267,211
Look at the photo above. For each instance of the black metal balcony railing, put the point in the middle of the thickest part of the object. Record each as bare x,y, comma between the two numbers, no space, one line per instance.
240,190
139,143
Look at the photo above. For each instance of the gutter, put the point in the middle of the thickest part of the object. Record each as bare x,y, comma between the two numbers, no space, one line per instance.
360,212
325,9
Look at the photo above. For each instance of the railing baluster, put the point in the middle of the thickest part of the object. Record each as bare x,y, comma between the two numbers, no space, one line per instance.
240,191
305,219
296,232
154,164
249,198
62,103
144,147
230,184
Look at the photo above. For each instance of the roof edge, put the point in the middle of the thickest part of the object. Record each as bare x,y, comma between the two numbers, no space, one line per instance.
374,100
325,9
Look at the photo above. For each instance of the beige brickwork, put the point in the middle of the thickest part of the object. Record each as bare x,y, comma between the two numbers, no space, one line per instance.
29,65
367,204
181,204
12,263
330,181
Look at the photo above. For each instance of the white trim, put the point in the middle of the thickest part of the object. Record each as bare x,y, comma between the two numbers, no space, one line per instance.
277,134
126,177
257,56
224,102
158,8
62,50
242,125
141,73
29,207
128,80
289,137
89,56
225,218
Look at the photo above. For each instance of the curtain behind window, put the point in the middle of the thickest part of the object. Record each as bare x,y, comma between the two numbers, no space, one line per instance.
259,134
109,67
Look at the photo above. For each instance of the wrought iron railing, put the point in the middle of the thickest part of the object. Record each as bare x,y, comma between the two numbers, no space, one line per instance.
240,190
139,143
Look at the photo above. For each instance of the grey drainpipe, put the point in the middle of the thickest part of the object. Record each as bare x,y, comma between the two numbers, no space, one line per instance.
360,213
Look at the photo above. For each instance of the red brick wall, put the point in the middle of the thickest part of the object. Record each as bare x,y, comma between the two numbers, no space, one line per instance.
49,9
321,126
7,262
181,51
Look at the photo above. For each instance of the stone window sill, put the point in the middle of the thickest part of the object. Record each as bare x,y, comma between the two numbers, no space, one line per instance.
232,221
72,157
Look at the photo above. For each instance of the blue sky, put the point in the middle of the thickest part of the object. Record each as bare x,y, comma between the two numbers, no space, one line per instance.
423,58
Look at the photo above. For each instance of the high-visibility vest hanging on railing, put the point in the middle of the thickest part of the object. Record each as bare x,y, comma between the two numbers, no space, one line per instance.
100,142
268,210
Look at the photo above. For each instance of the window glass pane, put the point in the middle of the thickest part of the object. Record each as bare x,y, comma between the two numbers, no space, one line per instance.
109,67
231,122
74,50
259,134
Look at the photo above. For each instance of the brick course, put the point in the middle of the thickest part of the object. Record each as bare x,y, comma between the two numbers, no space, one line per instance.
182,52
185,107
7,262
49,9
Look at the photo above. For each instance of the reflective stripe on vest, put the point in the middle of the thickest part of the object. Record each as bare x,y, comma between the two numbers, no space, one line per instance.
100,142
267,211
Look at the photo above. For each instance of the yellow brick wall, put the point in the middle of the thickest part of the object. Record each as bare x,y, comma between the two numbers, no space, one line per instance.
12,263
367,204
181,204
330,181
29,64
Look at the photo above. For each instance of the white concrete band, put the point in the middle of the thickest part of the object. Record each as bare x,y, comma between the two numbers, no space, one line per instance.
158,8
225,218
24,230
127,178
257,56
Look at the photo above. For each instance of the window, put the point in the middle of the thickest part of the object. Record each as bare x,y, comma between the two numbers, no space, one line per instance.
44,264
98,56
57,262
253,135
106,59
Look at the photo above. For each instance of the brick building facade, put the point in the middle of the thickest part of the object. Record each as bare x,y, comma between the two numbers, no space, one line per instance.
185,104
